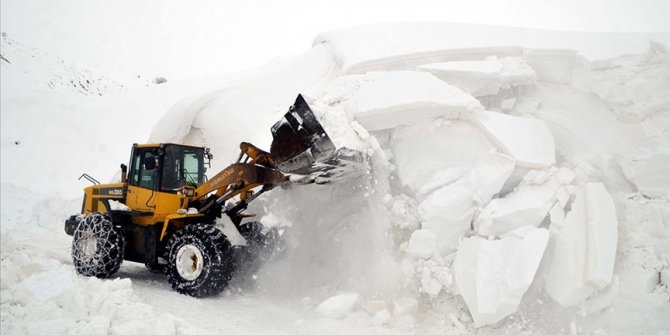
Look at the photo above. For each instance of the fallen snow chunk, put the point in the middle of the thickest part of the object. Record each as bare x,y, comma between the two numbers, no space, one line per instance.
421,244
447,213
429,284
493,275
429,156
381,318
338,306
528,140
584,247
527,205
387,100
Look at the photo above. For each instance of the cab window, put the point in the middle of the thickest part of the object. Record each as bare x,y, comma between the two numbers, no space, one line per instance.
182,166
139,174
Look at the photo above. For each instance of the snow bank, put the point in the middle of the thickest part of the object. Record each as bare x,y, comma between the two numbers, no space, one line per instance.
223,118
398,46
493,275
584,247
42,295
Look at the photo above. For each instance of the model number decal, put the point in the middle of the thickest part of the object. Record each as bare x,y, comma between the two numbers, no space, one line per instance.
112,191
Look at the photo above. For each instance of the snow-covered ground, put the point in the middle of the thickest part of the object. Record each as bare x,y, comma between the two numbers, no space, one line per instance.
516,182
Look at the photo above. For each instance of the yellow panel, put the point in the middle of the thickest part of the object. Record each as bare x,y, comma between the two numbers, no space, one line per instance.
160,203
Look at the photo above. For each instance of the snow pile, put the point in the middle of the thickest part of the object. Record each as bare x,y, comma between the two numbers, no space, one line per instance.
40,295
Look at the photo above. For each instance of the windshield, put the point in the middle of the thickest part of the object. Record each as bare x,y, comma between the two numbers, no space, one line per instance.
182,166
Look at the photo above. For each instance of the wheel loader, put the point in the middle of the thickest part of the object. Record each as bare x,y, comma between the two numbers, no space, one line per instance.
164,212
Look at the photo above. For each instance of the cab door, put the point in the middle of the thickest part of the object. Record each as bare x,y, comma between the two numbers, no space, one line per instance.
143,180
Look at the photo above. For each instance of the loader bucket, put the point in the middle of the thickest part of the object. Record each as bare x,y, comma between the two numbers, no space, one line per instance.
299,141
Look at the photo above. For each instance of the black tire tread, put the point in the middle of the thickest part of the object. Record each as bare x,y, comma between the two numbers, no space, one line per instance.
217,257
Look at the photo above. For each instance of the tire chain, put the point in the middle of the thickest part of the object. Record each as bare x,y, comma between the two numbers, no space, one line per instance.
110,246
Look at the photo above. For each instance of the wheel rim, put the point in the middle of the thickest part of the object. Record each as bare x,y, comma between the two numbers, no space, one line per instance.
88,246
189,262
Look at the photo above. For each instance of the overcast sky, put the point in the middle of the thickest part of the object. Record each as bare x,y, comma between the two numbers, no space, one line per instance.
141,36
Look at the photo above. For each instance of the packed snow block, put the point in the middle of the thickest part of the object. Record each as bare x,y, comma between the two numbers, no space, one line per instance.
527,205
584,247
493,275
447,213
337,307
387,100
528,140
483,77
429,156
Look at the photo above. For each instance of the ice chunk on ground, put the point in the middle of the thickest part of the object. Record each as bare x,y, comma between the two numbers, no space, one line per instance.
493,275
527,205
337,307
528,140
584,247
390,99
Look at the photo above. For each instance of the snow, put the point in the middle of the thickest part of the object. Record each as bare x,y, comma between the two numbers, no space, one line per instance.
529,204
493,275
484,77
337,306
416,97
477,142
511,134
584,247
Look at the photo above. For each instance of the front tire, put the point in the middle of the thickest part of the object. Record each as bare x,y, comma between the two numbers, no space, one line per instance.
97,246
200,261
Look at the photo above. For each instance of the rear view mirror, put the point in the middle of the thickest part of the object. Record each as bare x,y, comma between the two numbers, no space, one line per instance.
149,163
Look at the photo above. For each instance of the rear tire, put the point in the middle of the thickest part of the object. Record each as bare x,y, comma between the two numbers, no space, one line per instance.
97,246
200,260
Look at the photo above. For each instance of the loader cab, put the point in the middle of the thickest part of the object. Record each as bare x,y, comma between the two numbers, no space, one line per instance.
156,169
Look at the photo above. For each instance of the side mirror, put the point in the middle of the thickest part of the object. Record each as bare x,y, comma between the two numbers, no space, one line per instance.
149,163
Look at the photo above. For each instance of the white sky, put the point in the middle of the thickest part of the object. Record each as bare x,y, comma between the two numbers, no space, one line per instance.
194,38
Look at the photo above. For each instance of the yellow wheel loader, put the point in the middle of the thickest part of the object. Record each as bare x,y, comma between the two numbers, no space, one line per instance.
163,213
